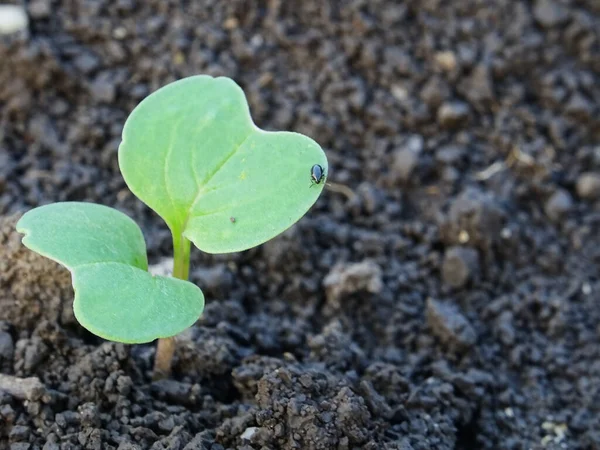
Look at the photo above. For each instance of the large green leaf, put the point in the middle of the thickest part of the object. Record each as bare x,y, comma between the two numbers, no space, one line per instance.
191,152
115,297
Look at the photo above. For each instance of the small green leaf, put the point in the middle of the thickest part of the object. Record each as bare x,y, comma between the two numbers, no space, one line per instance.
115,297
73,234
126,304
191,152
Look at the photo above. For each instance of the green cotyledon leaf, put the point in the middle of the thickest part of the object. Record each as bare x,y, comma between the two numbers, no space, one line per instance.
191,152
115,296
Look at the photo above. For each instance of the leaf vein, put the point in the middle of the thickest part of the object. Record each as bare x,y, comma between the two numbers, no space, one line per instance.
210,176
174,131
205,123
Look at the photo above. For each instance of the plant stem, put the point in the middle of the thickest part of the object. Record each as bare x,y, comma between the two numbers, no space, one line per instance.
165,348
181,263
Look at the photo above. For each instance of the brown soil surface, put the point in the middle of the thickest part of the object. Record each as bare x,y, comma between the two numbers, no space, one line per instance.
451,302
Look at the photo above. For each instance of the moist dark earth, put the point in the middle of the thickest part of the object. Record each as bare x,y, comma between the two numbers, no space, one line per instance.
443,293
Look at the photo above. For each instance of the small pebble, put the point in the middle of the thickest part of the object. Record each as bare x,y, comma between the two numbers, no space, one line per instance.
20,446
588,186
446,60
103,89
248,433
349,278
19,433
453,114
586,289
460,265
450,154
549,13
450,325
86,62
40,9
406,158
172,390
579,106
13,18
558,205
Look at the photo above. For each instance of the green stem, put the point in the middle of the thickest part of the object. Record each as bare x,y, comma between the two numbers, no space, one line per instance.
181,258
165,348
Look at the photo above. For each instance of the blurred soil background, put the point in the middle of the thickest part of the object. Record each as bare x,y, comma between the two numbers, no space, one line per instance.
449,299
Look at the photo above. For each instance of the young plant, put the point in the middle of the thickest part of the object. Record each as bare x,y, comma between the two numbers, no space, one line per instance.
191,152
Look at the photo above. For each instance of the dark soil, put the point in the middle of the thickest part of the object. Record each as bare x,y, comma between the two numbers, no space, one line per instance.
451,302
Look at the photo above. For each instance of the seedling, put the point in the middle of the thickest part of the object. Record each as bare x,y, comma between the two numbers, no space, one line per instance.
191,152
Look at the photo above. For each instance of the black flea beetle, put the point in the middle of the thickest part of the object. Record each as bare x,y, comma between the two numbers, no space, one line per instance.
317,173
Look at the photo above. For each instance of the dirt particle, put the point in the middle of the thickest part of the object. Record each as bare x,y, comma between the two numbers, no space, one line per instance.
453,114
40,9
376,403
215,280
586,289
404,162
336,348
86,63
103,88
230,23
20,446
249,433
346,279
435,92
450,326
446,60
558,205
88,414
370,198
450,155
173,391
579,107
19,433
460,265
505,328
398,59
478,88
474,216
30,388
13,19
588,186
549,13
